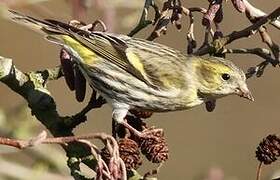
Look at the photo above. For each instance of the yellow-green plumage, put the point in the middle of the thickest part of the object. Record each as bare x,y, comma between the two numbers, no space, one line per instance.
86,54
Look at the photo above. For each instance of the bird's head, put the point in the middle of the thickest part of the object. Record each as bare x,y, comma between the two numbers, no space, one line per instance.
217,77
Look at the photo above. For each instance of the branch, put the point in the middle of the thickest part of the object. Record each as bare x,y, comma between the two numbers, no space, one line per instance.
270,43
218,44
261,52
258,70
42,139
144,22
254,14
164,19
248,31
172,13
81,117
190,33
257,13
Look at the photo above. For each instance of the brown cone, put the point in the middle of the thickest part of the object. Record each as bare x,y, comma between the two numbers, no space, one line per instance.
154,146
129,153
269,149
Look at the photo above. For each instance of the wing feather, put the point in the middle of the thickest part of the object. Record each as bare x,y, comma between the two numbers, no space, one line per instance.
159,66
112,51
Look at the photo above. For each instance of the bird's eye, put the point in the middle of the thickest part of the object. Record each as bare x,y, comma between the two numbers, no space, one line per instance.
225,76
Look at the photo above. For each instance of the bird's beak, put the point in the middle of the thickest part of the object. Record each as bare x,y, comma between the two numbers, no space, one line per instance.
244,92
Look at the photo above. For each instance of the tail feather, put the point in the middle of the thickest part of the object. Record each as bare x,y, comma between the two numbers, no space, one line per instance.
47,26
52,29
35,24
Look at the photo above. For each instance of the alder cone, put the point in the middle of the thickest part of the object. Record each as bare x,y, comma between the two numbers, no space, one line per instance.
129,153
154,145
269,149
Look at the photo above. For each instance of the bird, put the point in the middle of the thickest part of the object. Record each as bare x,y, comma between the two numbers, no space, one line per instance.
133,73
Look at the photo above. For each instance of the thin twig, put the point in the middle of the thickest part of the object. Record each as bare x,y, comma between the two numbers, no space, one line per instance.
270,43
92,27
262,52
205,44
193,9
257,70
163,20
259,168
218,44
144,22
80,117
190,35
42,139
248,31
51,73
257,13
213,9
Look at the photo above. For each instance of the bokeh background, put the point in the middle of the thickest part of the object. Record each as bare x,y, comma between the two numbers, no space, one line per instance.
222,142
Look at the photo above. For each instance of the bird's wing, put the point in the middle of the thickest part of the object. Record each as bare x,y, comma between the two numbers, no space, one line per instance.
157,65
113,50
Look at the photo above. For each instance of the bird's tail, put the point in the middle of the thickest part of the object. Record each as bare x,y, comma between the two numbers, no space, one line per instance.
33,23
44,27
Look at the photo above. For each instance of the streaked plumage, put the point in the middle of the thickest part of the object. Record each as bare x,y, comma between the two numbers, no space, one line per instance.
133,73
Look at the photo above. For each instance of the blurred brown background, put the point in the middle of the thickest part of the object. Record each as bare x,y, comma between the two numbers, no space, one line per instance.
225,139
